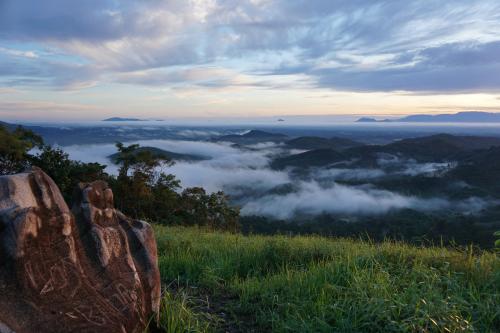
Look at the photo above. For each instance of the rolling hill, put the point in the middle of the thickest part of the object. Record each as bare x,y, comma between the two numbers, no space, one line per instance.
314,142
435,148
160,153
312,158
441,146
252,137
480,169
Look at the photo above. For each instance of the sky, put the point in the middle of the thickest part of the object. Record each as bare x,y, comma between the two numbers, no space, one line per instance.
88,60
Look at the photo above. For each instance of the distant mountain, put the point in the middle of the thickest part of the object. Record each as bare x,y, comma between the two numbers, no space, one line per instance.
122,119
160,153
312,158
253,137
314,142
461,117
366,120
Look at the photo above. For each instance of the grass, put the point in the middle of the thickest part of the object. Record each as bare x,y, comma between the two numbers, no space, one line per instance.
181,314
218,282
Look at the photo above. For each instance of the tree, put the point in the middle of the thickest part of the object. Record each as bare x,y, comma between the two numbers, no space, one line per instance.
15,147
66,173
126,157
212,210
56,164
143,190
17,153
141,183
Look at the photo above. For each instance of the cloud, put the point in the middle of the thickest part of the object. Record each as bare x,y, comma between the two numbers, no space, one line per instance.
245,175
228,168
26,54
198,134
462,67
26,68
25,109
9,91
312,199
234,181
93,154
89,20
205,77
409,167
358,45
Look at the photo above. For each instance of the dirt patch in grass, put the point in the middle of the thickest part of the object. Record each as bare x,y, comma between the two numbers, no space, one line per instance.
222,310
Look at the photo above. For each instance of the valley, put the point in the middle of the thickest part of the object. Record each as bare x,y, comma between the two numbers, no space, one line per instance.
422,188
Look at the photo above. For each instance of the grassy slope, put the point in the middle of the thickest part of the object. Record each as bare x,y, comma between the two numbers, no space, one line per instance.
224,282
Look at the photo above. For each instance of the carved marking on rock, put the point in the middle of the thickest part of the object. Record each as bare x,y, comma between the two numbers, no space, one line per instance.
28,268
76,269
89,314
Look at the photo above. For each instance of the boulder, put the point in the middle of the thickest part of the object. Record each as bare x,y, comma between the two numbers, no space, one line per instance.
89,269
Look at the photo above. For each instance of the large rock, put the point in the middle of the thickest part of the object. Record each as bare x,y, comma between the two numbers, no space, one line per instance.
91,269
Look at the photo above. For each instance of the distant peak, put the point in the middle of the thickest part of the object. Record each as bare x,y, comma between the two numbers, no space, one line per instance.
259,133
122,119
366,120
460,117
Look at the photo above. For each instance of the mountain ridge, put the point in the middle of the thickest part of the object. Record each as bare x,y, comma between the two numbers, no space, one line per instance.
252,137
459,117
122,119
161,153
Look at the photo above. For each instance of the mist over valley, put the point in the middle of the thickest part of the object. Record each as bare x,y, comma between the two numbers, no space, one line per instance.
280,175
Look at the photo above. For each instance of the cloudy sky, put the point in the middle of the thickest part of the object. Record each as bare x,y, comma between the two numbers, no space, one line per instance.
68,59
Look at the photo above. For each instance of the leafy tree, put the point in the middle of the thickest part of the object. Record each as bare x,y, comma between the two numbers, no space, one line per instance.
212,210
17,153
67,173
56,164
165,199
14,149
140,184
126,157
143,190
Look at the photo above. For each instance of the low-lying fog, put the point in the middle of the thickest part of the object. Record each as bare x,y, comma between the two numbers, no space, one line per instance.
245,175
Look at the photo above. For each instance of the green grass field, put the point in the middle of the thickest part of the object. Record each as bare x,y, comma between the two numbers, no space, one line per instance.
218,282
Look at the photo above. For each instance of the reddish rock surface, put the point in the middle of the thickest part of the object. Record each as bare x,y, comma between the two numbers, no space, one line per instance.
91,269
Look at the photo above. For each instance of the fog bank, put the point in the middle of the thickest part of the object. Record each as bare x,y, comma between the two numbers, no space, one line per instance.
245,175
